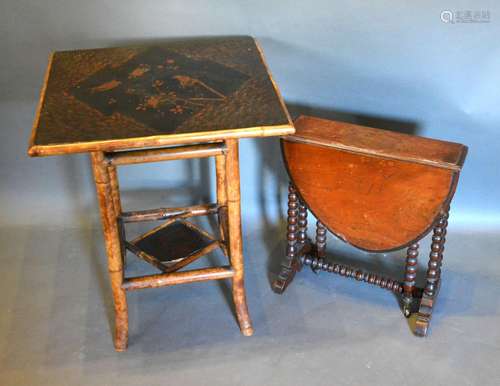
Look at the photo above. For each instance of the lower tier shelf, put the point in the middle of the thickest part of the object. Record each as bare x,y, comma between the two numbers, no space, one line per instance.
173,245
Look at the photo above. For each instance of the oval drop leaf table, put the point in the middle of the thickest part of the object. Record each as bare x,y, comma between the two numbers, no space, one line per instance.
374,189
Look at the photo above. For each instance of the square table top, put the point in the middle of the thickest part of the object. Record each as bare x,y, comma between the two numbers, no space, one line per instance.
177,92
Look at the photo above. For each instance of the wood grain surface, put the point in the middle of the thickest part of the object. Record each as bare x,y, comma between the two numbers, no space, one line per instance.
382,143
373,203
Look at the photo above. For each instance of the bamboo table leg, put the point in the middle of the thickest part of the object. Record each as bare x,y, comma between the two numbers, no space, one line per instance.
220,170
234,234
104,188
117,205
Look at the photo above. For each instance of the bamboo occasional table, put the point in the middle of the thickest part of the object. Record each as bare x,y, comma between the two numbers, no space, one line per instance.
189,98
375,189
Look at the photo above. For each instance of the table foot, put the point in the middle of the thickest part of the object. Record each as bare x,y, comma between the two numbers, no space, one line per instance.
286,276
247,331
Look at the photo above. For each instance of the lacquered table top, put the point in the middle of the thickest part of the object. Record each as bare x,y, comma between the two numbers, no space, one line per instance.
176,92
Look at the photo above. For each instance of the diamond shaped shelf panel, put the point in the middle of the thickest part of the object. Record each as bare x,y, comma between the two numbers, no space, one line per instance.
173,245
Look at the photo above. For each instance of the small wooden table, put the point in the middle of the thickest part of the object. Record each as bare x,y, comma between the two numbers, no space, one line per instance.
186,98
376,190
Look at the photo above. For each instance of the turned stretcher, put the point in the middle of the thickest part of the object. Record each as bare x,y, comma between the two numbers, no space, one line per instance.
376,190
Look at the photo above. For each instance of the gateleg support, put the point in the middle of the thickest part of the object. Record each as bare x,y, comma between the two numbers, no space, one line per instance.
433,283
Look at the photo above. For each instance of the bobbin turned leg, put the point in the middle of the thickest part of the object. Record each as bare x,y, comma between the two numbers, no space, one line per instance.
410,276
104,189
320,245
302,228
320,239
232,175
290,264
433,283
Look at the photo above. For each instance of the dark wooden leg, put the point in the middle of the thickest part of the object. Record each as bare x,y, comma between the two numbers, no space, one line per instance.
433,276
232,174
302,221
289,266
410,276
320,239
112,240
320,246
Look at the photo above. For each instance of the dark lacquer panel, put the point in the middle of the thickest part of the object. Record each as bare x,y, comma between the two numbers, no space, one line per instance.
159,87
175,241
177,87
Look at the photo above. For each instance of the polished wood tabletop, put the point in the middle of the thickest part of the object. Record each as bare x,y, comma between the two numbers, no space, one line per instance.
175,92
378,142
375,189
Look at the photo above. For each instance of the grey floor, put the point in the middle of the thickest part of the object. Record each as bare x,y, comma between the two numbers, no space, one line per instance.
325,330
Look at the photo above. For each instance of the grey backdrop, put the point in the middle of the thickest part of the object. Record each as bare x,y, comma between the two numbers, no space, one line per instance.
396,66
